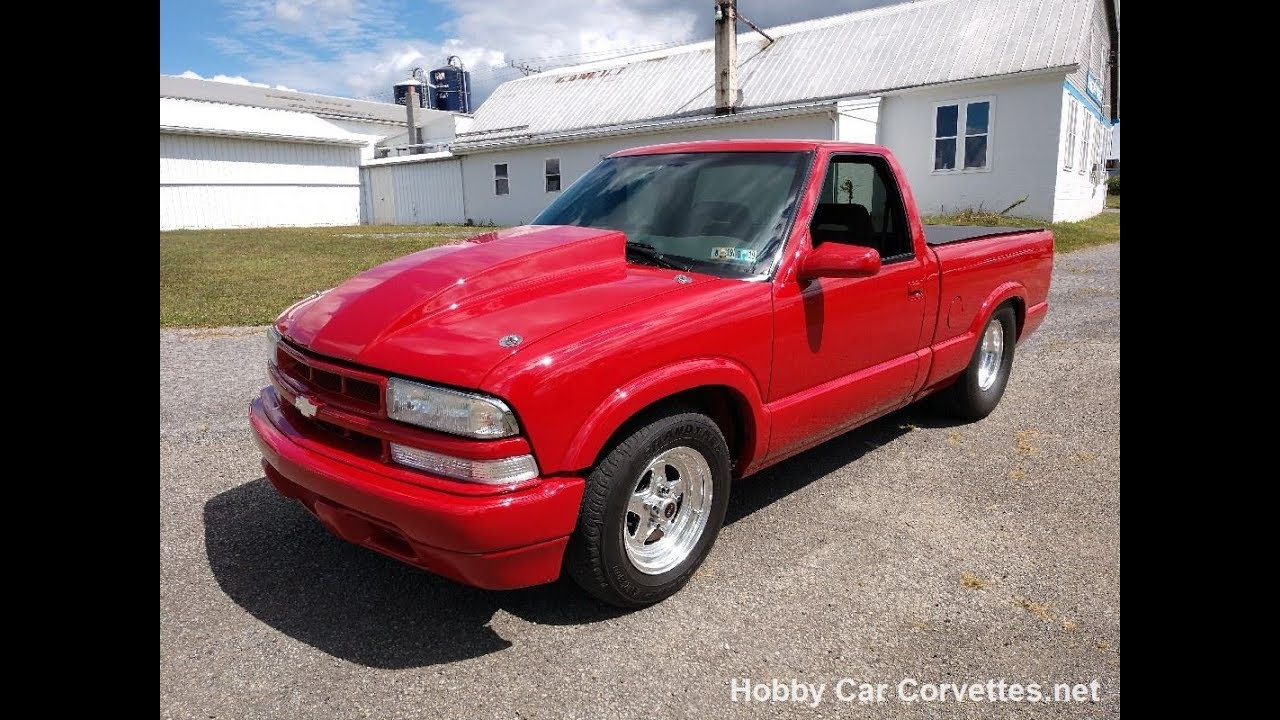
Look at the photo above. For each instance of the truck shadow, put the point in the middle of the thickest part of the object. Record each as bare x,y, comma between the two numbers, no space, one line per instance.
274,560
757,492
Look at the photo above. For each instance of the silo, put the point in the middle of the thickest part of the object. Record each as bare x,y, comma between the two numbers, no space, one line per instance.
451,89
402,90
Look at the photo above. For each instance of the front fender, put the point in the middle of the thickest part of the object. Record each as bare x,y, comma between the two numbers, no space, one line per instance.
627,401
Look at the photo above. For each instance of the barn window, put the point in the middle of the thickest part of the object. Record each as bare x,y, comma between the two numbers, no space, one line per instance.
977,120
1102,148
961,135
1072,112
946,128
1085,137
552,171
501,185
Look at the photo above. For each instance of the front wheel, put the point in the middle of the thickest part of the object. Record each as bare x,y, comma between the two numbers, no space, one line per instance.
977,392
651,511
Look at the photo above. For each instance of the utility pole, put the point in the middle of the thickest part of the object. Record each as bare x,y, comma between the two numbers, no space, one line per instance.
726,56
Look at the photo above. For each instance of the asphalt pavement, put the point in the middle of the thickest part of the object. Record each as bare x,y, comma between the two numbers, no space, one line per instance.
911,549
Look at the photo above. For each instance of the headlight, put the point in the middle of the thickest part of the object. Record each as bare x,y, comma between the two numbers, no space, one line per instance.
449,411
489,472
273,342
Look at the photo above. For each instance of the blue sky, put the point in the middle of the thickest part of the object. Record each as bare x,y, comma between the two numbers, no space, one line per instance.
359,48
218,38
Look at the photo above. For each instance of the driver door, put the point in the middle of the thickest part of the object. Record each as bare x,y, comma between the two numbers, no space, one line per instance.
846,349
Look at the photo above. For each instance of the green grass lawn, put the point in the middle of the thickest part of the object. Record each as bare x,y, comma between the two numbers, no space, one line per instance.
1098,230
246,277
1113,201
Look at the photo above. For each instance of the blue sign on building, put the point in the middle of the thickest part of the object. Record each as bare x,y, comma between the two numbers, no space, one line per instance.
1093,86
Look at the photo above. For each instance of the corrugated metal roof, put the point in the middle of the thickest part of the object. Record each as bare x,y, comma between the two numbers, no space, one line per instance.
859,53
324,106
193,117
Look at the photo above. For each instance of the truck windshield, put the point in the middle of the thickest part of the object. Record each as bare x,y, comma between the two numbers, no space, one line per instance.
722,213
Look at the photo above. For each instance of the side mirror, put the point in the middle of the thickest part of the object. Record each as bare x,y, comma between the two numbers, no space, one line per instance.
836,260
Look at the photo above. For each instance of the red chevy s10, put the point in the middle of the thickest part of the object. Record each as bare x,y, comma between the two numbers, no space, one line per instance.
579,394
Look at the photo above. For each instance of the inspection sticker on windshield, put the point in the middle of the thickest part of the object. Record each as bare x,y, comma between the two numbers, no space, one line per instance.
733,253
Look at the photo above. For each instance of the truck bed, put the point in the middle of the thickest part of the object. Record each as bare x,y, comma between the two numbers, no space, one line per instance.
945,234
990,262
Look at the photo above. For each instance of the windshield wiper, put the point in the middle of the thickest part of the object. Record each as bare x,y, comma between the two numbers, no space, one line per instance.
651,253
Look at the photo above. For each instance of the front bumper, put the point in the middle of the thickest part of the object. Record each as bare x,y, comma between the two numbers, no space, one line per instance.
500,541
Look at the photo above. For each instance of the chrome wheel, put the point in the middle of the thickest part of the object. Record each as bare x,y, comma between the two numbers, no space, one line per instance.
667,511
991,354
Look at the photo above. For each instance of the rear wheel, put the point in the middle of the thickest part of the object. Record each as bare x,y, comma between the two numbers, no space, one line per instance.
651,511
978,391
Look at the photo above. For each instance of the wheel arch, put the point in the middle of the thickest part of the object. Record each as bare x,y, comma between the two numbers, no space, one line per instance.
719,388
1011,293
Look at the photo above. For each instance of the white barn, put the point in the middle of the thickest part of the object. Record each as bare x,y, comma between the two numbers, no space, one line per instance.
247,156
985,103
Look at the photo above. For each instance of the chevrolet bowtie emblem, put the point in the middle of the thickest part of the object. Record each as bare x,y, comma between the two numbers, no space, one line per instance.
305,406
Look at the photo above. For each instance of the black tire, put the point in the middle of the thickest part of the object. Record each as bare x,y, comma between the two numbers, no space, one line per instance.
967,399
597,558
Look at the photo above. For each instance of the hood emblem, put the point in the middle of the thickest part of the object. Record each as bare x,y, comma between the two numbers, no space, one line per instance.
509,341
683,279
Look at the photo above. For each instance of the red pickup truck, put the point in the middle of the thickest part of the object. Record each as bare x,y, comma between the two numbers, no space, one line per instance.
580,393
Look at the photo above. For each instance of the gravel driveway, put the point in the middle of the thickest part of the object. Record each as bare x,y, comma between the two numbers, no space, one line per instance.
912,548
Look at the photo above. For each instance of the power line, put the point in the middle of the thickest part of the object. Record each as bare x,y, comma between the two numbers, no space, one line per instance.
523,68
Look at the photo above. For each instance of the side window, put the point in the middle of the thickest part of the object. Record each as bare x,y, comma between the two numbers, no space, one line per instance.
1085,136
977,121
1069,155
1101,150
962,135
552,172
860,205
501,185
946,127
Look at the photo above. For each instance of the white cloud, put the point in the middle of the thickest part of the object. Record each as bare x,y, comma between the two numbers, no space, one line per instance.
328,23
357,48
558,28
231,79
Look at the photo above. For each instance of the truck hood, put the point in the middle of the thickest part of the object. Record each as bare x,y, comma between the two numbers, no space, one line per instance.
441,313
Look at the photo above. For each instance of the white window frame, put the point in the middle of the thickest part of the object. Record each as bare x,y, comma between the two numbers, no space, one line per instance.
962,116
506,175
1100,152
547,175
1073,111
1085,138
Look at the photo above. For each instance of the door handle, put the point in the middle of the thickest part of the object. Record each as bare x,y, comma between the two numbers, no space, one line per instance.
915,290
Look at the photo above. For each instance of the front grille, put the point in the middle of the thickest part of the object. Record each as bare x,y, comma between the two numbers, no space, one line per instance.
331,383
364,392
351,390
356,443
342,406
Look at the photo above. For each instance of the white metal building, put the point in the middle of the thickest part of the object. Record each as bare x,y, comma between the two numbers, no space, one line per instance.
984,102
247,156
